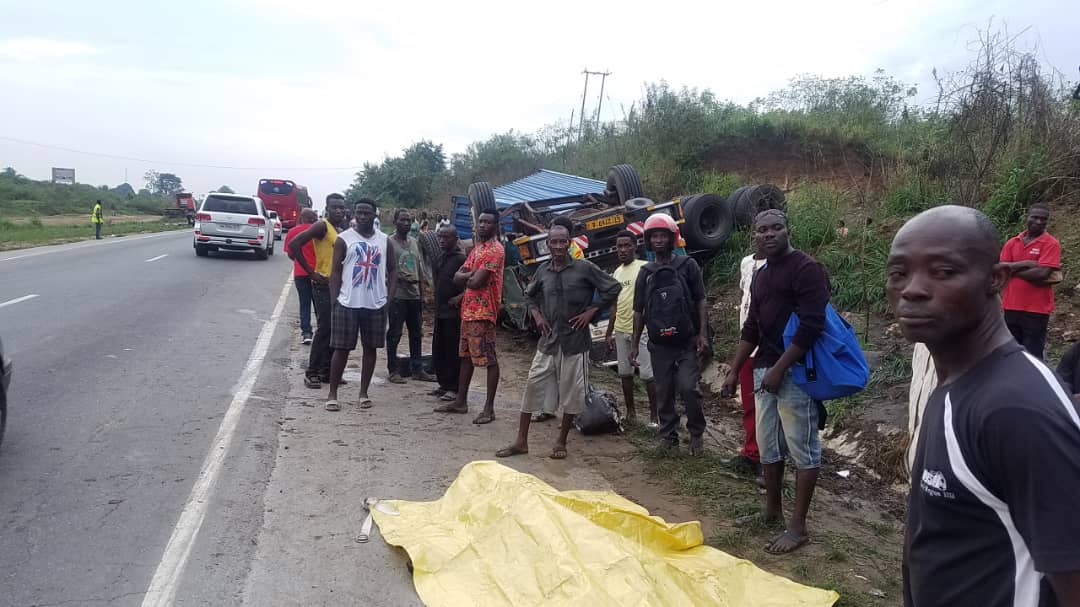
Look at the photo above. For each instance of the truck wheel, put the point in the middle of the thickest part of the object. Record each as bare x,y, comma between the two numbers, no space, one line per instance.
756,199
709,221
429,247
201,250
623,182
636,204
482,197
733,202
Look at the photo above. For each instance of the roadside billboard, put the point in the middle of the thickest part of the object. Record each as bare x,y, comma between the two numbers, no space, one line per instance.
64,176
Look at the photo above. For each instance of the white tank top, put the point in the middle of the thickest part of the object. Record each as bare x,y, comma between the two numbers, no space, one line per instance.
363,273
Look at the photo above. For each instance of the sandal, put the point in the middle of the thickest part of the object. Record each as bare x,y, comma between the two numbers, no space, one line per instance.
511,451
365,403
449,397
451,408
558,452
332,405
312,382
786,543
484,418
542,417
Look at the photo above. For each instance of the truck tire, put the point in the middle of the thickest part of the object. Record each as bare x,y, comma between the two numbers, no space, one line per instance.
482,197
623,182
733,202
709,221
201,250
429,247
756,199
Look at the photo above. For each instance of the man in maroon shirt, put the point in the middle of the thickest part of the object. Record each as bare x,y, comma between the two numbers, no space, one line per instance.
790,282
1032,256
300,275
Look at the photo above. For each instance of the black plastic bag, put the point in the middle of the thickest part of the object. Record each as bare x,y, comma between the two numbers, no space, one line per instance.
601,414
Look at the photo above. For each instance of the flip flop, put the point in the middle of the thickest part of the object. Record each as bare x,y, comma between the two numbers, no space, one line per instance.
449,397
365,403
510,451
542,417
558,452
792,543
312,382
484,418
451,408
437,392
332,405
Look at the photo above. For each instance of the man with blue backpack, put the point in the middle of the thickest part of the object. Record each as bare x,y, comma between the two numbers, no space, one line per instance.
669,301
790,282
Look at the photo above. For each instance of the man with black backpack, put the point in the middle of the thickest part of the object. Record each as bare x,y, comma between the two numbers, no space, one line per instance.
669,301
790,282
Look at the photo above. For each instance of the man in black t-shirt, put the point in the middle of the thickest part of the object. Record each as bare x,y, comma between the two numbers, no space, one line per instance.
994,509
447,331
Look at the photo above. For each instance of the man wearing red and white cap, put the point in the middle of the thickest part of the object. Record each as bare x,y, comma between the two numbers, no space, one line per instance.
669,301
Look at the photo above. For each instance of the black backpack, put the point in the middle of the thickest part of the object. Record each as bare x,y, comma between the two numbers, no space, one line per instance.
669,317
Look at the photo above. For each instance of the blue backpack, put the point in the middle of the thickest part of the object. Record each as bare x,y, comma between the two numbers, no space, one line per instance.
835,366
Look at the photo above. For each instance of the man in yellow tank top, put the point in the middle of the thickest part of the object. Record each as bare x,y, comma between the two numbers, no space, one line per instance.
322,235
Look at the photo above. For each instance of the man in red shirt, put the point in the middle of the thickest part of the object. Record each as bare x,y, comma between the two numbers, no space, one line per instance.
482,276
1032,256
300,276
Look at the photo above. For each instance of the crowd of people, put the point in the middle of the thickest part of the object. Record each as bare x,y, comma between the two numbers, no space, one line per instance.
995,454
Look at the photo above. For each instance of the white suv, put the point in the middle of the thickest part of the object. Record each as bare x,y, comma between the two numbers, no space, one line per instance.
233,222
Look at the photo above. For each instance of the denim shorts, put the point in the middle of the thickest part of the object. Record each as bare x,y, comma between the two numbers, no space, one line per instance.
787,424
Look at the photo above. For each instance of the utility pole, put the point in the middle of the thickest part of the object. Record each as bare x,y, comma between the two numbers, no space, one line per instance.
600,102
581,119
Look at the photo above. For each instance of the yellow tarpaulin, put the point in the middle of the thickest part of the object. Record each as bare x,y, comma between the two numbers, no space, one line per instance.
500,537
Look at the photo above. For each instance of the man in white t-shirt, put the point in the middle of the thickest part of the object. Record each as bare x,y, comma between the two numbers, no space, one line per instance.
748,458
364,277
620,328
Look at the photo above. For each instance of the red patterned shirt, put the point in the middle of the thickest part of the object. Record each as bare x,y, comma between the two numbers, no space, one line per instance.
483,303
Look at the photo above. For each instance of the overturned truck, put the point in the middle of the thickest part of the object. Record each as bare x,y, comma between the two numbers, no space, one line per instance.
598,211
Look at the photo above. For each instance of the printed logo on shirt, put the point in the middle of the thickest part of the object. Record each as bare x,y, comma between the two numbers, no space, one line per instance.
933,484
1034,251
366,268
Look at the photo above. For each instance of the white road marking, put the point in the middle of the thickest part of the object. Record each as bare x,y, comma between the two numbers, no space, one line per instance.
12,302
158,257
166,579
94,243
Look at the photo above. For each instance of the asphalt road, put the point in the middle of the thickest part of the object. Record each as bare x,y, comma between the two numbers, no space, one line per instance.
127,353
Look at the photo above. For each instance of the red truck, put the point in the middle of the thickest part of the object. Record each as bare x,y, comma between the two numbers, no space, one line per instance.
185,207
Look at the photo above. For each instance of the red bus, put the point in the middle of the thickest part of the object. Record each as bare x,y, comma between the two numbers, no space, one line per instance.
281,195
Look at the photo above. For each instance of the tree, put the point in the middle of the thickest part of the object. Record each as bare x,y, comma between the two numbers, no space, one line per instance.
162,184
409,180
169,184
225,190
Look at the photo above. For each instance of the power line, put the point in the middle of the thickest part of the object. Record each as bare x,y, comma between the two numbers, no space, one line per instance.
170,162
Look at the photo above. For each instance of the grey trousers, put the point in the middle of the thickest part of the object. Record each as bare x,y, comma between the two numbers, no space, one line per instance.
677,371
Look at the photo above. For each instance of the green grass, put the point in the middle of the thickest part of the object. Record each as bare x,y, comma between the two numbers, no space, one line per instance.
32,233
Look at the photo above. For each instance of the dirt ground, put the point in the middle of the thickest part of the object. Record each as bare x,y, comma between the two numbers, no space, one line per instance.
856,521
73,220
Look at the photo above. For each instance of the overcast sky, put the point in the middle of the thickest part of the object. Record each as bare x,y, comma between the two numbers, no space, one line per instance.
310,89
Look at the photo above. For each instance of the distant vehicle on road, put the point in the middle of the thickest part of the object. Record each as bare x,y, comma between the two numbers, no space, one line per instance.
233,222
5,381
185,207
274,219
282,196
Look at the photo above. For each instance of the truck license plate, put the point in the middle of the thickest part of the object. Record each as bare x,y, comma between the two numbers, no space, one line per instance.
604,222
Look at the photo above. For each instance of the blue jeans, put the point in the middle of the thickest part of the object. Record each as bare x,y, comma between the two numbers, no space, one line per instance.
787,424
303,289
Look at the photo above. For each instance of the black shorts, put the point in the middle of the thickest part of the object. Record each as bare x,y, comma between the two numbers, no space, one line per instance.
346,324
